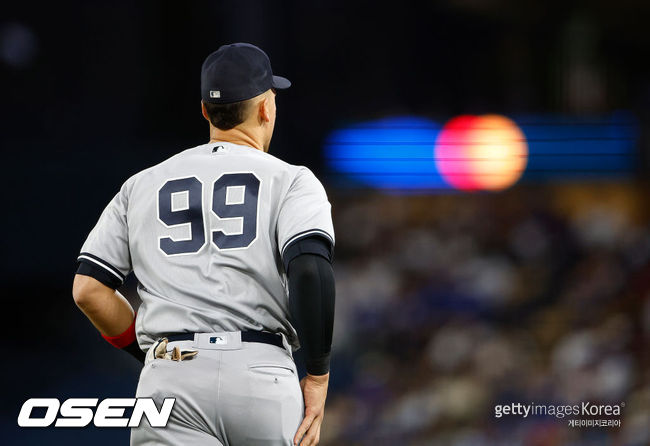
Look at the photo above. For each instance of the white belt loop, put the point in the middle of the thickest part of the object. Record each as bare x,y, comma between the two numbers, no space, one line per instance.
227,340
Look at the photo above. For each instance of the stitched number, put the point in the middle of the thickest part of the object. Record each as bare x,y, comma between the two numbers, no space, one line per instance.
179,203
235,196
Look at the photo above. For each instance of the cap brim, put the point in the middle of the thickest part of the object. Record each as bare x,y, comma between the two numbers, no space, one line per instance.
281,83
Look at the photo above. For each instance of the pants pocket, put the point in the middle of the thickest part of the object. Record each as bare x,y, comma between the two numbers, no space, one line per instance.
272,369
275,403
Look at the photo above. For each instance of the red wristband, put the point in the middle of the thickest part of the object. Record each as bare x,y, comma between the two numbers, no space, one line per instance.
124,339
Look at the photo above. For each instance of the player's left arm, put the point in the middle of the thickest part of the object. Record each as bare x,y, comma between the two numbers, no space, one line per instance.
306,236
104,262
311,302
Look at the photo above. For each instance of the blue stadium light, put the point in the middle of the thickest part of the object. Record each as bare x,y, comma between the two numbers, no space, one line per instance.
565,148
391,153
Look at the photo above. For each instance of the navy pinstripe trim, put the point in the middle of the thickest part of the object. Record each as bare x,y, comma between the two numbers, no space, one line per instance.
303,234
103,263
99,273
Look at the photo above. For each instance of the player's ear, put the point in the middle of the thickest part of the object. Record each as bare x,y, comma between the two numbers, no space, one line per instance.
264,110
204,111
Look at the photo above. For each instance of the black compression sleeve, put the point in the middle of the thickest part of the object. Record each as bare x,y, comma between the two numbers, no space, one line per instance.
311,302
314,244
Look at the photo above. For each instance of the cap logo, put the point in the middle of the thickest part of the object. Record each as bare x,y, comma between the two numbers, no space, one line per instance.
215,93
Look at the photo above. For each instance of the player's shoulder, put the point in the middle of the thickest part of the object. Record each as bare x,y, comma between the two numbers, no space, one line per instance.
292,170
142,176
265,160
303,174
291,176
151,170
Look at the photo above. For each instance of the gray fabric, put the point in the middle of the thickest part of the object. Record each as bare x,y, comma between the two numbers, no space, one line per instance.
232,393
215,288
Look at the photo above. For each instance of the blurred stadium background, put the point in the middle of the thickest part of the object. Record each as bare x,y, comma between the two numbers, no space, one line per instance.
448,302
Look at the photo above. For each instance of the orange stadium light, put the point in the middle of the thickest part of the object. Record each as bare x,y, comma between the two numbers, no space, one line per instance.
486,152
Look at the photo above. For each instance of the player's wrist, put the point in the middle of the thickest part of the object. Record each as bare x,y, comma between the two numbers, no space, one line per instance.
127,337
319,379
127,341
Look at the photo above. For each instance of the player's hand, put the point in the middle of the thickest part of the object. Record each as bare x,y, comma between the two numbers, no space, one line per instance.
314,390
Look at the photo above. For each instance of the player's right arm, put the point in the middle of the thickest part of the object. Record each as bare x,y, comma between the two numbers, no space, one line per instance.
104,262
109,311
106,308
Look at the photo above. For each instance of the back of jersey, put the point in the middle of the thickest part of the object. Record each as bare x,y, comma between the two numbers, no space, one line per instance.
204,232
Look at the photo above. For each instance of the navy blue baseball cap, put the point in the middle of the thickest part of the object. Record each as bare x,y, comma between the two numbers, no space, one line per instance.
237,72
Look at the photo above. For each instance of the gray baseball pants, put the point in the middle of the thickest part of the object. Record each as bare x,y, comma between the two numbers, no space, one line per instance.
232,393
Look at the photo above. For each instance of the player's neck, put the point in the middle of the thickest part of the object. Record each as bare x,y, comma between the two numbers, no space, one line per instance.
239,136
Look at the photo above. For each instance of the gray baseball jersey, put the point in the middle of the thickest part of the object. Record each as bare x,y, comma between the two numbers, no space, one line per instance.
204,232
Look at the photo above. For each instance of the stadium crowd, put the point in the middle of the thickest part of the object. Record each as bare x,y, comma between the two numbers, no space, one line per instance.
449,305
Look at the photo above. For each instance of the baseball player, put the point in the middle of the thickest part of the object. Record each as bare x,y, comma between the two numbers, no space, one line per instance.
232,248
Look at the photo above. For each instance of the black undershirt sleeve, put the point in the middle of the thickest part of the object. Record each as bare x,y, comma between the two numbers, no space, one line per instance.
311,301
87,268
